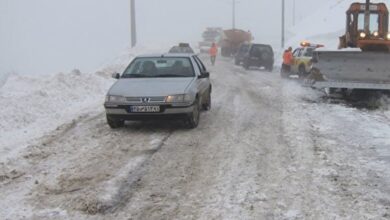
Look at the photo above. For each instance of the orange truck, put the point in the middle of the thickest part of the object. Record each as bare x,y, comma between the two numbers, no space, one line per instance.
232,39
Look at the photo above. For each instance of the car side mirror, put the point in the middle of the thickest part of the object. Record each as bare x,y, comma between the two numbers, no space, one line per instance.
204,75
116,75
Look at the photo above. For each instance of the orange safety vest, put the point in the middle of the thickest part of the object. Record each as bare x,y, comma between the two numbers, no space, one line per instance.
213,51
288,58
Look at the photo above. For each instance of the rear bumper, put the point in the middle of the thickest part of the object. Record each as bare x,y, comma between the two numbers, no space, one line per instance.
258,63
121,112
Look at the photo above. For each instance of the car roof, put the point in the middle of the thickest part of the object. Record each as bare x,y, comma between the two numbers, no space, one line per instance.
183,55
313,47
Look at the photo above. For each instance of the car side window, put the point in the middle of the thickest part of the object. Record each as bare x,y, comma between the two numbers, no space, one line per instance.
197,64
309,52
200,64
296,52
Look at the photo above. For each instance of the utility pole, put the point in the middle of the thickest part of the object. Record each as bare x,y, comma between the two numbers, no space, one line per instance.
234,14
293,12
283,4
133,27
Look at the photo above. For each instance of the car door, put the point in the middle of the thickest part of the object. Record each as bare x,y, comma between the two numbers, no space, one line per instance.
307,57
203,84
297,57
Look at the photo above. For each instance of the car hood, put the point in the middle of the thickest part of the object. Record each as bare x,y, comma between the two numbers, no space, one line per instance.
136,87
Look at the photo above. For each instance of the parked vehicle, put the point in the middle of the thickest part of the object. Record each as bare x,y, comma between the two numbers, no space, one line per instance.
164,86
232,39
303,57
182,48
242,51
259,55
367,29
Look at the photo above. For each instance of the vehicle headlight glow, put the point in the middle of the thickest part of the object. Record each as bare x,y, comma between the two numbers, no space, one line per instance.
115,98
388,36
375,33
363,35
178,98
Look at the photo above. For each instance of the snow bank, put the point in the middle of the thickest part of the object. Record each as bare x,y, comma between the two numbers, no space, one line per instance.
32,106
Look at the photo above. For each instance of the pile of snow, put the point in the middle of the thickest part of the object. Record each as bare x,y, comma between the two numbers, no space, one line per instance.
34,105
324,26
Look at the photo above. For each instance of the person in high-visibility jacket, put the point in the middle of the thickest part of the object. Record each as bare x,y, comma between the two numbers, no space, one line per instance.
213,53
288,60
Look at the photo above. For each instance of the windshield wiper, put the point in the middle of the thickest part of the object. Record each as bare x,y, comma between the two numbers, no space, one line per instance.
135,76
171,75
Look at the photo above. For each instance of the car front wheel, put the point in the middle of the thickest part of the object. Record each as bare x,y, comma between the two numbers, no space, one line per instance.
207,105
302,72
193,117
114,123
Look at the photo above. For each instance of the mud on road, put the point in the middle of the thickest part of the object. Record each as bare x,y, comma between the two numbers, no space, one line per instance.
264,151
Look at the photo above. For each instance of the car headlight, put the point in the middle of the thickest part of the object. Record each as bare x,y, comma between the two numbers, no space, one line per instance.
363,35
185,98
115,98
375,33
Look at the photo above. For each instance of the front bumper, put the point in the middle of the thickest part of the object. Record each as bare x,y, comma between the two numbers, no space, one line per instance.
166,112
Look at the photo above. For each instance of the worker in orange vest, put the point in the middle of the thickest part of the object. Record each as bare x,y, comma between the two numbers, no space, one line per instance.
288,60
213,53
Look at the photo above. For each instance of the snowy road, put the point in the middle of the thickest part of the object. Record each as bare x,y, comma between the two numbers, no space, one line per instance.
268,149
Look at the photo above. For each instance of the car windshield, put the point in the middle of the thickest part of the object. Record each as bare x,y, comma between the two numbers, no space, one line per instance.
159,67
260,50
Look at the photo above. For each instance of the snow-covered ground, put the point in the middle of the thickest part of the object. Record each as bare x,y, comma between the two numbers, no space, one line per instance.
268,149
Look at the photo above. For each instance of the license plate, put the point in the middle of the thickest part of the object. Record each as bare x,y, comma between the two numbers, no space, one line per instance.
141,109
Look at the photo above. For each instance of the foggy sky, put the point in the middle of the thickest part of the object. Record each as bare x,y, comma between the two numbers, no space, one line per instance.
49,36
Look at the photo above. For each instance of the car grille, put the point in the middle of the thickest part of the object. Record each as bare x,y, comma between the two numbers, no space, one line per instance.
159,99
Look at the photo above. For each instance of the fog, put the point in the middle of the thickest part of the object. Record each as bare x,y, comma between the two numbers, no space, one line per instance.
50,36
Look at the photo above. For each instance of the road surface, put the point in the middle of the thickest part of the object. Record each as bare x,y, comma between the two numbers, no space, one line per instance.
268,149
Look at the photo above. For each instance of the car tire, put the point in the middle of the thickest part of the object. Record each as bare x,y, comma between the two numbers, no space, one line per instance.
207,105
114,123
302,72
194,116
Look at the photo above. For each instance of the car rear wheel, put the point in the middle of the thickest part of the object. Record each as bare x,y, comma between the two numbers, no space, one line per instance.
193,117
114,123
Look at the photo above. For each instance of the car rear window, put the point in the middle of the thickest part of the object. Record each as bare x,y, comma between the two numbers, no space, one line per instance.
263,49
159,67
